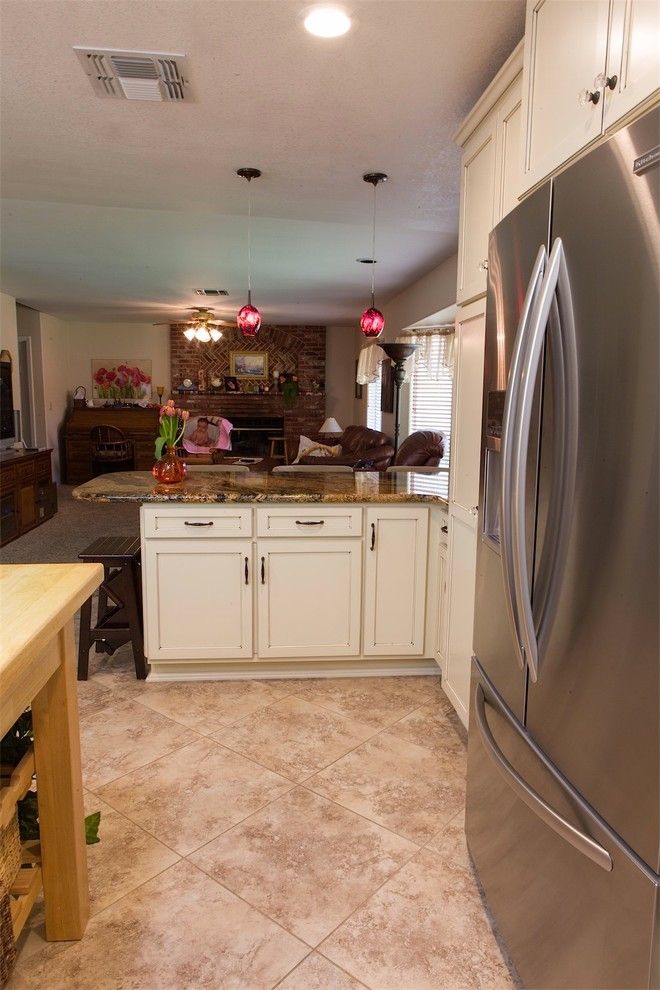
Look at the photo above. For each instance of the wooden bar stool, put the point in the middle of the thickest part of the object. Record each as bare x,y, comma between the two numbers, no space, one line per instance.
119,614
278,450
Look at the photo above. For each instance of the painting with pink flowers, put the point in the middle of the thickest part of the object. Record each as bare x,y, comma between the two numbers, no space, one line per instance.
121,379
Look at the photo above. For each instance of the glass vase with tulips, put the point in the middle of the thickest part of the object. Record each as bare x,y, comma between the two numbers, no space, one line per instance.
170,469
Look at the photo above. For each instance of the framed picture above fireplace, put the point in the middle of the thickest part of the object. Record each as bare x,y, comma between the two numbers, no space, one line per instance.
249,364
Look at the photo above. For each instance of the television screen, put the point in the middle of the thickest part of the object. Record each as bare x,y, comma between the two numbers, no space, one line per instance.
6,402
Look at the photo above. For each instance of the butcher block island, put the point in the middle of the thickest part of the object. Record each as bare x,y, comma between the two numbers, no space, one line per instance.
284,575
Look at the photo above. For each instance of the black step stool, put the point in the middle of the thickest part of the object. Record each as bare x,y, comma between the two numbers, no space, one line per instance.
119,615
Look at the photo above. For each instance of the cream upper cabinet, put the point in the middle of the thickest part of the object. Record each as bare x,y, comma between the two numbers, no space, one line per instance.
633,57
587,64
468,397
491,172
395,581
509,154
477,209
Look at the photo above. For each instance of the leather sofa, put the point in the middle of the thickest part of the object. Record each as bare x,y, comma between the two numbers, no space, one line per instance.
423,448
362,449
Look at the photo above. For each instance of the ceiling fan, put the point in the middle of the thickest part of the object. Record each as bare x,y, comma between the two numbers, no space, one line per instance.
202,325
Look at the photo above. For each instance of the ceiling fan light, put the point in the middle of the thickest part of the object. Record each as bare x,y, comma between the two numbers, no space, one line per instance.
203,335
372,322
215,334
249,320
189,333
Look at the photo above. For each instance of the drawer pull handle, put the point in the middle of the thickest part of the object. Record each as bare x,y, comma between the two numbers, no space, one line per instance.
445,529
247,572
263,570
186,523
373,536
309,522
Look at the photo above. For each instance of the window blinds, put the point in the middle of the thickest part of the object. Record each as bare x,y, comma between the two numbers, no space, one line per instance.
374,418
430,401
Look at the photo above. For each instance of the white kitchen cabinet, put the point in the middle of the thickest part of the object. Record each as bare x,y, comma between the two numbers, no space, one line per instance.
467,402
395,580
460,612
491,172
477,208
309,597
198,598
633,56
571,48
509,151
443,604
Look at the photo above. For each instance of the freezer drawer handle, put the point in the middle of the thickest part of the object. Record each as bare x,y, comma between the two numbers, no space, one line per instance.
579,840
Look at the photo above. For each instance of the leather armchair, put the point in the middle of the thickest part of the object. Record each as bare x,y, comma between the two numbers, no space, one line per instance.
425,447
362,449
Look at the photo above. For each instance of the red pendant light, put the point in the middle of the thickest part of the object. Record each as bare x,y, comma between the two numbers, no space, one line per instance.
249,317
372,321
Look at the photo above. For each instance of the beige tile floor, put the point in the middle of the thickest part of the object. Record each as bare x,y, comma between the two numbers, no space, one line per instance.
305,835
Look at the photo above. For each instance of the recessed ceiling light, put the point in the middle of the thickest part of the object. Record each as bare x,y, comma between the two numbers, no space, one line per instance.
327,22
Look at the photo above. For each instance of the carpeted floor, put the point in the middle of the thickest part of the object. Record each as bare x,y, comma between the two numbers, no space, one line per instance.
73,528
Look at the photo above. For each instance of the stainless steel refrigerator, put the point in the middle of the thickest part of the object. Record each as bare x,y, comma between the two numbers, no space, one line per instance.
563,795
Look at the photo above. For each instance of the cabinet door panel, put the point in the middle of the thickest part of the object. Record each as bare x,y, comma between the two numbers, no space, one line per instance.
468,398
197,603
395,581
565,49
477,199
633,56
309,599
461,588
509,181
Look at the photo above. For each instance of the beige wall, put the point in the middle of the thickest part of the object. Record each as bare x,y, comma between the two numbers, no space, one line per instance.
432,292
57,381
117,340
340,374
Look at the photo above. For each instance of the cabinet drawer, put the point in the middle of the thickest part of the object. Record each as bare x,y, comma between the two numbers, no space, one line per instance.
42,465
196,521
25,472
309,521
7,477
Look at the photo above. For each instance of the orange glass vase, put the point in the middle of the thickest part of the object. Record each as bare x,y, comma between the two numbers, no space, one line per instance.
170,469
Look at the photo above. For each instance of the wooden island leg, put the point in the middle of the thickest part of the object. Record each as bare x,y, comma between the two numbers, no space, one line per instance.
60,796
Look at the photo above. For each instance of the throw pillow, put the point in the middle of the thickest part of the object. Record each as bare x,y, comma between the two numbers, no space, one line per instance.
308,448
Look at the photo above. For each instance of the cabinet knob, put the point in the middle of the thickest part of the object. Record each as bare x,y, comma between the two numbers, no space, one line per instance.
587,96
475,510
483,265
605,82
444,529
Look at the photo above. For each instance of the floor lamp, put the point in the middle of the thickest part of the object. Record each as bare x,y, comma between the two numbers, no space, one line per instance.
399,354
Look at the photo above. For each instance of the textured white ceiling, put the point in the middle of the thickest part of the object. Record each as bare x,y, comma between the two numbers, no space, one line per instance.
116,210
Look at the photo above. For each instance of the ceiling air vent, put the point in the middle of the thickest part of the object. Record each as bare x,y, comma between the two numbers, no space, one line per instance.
211,292
125,75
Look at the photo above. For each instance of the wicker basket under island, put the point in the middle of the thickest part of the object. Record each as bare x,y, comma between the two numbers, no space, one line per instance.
37,670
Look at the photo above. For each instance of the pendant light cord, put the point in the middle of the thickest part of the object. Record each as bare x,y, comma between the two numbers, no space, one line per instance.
373,252
249,242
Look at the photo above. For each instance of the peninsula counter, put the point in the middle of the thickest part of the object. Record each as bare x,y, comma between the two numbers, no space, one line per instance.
285,575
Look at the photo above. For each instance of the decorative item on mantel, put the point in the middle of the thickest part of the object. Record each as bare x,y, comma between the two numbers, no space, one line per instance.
79,397
372,320
249,317
170,469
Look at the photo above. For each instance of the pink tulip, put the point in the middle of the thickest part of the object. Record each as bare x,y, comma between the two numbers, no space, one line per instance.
185,414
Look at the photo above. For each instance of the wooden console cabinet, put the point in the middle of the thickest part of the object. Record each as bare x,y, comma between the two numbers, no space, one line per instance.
28,496
138,425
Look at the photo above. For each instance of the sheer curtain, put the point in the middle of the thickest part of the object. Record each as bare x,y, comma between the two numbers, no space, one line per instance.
438,361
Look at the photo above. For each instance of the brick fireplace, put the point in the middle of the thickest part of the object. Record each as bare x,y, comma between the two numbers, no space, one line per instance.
291,349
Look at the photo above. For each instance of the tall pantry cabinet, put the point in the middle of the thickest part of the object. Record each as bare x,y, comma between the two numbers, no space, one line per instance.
491,177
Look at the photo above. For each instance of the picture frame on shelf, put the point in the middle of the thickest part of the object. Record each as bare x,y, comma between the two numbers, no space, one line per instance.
232,384
249,364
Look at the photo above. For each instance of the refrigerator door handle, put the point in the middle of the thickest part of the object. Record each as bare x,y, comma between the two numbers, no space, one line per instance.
553,311
579,840
509,423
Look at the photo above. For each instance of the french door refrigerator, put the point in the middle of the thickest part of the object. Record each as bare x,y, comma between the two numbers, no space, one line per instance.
563,795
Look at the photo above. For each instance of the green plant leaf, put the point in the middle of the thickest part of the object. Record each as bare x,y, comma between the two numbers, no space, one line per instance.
28,816
92,823
160,446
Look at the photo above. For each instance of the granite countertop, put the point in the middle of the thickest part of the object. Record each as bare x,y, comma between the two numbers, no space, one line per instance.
251,486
